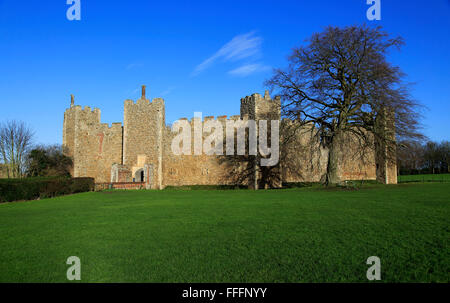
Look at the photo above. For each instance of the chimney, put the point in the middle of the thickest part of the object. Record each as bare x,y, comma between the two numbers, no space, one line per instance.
143,92
72,100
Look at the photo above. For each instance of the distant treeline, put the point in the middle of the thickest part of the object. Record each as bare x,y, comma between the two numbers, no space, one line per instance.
423,158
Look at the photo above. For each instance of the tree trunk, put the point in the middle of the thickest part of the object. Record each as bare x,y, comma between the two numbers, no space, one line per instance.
332,177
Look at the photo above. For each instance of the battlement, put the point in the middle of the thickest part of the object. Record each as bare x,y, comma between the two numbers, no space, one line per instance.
87,109
257,97
258,107
143,101
223,119
113,126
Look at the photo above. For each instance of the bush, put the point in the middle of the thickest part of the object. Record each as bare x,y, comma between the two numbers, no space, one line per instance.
34,188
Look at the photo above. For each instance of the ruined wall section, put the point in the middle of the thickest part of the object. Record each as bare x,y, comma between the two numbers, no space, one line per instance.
144,125
94,146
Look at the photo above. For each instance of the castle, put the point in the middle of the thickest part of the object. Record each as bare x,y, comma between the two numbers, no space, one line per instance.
139,151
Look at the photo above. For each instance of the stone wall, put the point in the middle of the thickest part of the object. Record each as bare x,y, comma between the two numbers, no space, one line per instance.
305,158
195,169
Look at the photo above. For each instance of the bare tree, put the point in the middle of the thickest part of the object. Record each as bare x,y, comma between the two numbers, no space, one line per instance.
436,156
431,155
242,168
428,157
445,156
15,142
410,156
342,83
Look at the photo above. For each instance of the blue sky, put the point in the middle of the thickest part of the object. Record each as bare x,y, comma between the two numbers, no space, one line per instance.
200,56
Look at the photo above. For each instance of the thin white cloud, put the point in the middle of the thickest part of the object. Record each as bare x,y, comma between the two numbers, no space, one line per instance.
240,47
248,69
133,65
167,91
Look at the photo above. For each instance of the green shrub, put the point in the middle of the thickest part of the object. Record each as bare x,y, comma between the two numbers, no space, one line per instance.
34,188
80,185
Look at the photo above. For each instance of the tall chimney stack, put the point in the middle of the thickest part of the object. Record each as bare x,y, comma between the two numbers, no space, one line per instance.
143,92
72,100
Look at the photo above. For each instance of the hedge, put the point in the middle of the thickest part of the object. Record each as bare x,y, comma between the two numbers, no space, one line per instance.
34,188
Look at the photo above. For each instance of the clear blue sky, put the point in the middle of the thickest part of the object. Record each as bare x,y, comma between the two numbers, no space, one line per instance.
184,52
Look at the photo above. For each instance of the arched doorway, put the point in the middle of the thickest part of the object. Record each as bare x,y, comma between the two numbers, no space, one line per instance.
139,175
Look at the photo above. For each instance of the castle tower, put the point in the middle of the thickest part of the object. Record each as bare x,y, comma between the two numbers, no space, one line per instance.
385,148
93,146
256,107
144,122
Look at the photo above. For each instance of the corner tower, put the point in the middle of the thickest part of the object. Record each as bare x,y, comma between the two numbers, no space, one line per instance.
93,146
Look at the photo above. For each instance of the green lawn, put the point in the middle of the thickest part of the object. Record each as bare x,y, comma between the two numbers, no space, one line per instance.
424,178
294,235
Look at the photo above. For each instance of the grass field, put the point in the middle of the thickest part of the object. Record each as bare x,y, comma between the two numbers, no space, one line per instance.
293,235
424,178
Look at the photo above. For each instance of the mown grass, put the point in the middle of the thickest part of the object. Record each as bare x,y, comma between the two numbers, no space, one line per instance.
291,235
424,178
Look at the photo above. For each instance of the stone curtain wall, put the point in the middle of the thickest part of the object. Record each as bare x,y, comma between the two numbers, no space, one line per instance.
306,159
212,170
194,169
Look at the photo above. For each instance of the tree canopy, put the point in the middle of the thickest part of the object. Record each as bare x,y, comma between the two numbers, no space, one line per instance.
342,83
